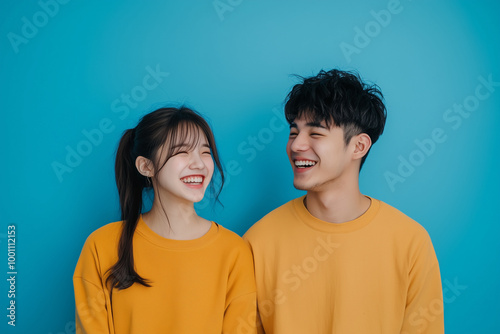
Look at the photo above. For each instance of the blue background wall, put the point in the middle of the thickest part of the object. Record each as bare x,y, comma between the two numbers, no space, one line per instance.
82,69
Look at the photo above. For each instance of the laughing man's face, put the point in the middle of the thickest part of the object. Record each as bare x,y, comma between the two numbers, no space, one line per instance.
318,155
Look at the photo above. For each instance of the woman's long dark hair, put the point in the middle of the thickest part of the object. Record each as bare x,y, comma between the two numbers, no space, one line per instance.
169,126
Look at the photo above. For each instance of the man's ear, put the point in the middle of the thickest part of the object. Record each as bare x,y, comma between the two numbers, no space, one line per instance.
362,144
144,166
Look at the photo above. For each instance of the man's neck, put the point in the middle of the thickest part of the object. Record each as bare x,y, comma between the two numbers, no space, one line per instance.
337,206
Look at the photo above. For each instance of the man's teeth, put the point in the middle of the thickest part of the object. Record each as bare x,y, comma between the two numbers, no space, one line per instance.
192,179
304,163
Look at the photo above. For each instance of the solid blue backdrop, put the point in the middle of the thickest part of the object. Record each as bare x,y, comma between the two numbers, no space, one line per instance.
76,74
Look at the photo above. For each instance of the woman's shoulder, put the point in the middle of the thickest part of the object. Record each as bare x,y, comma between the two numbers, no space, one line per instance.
99,252
231,238
108,234
235,250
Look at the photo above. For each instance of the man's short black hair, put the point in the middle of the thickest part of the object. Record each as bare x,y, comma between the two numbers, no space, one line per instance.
340,98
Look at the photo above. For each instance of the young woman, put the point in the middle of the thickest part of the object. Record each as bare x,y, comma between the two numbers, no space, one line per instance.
167,270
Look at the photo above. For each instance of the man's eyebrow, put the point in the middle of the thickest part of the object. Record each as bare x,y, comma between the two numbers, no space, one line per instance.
293,125
316,125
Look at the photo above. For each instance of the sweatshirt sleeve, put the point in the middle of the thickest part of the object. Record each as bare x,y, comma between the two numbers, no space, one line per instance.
91,299
424,305
240,316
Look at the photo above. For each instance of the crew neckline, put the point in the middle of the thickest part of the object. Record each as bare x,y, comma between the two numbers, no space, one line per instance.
307,218
144,230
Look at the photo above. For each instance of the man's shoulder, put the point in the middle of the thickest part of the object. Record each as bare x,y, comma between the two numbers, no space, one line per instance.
278,213
396,220
273,220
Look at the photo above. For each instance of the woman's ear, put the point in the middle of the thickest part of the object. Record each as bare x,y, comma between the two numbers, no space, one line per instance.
362,144
144,166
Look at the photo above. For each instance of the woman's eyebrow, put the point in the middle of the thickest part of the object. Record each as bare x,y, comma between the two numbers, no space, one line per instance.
180,145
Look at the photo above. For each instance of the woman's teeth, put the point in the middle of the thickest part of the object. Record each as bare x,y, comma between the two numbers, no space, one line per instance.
192,179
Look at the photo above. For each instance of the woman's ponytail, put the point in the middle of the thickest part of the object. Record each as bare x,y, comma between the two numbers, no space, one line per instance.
130,184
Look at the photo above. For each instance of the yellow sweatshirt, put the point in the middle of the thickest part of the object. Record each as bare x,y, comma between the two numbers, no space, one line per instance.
375,274
199,286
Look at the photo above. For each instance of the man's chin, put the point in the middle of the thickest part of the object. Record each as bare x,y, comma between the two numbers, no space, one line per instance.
308,186
301,186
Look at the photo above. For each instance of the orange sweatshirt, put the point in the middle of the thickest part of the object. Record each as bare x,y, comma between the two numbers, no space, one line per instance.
199,286
375,274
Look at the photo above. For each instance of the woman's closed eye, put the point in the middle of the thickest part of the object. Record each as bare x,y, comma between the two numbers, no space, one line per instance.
180,152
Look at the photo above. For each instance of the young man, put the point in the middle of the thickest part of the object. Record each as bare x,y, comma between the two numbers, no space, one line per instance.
335,260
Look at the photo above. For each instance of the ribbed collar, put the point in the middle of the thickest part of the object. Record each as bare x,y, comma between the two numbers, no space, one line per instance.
144,230
307,218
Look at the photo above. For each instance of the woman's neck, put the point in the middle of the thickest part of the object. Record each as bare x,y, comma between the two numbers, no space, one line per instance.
175,220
